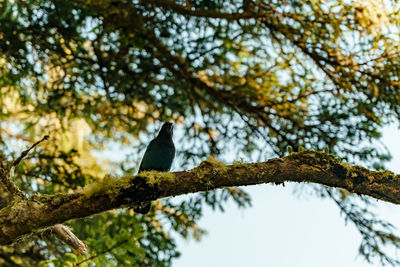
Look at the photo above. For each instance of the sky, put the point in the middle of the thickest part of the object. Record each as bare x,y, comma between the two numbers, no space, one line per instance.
283,229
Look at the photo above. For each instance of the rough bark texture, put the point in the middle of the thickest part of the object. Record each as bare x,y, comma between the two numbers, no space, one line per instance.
25,216
65,234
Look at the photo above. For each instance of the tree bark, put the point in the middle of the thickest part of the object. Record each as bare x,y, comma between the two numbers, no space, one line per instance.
26,216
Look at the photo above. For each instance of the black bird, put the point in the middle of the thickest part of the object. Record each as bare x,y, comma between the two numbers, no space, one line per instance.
158,157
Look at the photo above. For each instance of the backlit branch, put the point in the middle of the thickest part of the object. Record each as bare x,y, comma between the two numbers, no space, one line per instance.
39,212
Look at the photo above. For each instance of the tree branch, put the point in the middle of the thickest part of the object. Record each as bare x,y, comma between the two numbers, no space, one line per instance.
67,236
24,153
60,231
188,11
26,216
5,172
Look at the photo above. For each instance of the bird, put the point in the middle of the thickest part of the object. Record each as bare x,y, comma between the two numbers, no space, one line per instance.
158,156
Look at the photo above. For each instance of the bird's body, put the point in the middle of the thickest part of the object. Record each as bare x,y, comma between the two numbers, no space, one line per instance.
158,157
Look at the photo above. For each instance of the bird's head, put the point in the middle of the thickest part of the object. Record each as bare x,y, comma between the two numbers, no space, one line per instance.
167,129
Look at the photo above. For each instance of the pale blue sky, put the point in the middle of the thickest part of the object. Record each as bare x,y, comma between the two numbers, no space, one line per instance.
284,230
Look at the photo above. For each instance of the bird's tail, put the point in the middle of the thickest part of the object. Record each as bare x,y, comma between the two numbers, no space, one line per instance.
143,208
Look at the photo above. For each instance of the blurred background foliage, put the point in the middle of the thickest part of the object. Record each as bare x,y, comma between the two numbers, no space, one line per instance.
242,80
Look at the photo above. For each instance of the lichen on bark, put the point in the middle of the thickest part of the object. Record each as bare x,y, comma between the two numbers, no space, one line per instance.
25,216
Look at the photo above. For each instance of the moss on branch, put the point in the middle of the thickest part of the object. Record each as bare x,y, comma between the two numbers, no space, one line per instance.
28,215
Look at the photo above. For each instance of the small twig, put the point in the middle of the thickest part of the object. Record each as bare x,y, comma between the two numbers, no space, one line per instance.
103,252
5,173
65,234
24,153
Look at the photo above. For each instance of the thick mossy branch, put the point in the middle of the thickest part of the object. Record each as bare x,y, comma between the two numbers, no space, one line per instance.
26,216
